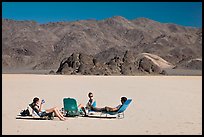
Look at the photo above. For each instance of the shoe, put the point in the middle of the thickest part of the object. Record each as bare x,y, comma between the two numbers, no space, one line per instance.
86,115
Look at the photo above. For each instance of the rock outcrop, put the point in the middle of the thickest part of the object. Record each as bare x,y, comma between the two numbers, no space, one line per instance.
195,64
152,63
129,64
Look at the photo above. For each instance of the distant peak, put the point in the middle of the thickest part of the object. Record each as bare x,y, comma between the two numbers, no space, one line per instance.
119,18
142,19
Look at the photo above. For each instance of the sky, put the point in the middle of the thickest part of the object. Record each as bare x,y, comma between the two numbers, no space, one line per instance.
181,13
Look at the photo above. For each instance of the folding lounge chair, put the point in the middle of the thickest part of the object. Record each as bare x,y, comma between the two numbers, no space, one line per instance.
71,108
121,111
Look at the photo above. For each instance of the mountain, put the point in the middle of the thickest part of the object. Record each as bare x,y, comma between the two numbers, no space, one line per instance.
25,43
29,45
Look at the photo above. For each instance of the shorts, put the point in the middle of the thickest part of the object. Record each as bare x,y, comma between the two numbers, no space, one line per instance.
42,113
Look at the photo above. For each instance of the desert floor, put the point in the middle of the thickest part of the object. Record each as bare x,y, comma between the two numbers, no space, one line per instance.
161,104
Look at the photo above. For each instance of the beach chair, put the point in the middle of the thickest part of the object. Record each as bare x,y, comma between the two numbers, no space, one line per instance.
71,107
120,112
45,116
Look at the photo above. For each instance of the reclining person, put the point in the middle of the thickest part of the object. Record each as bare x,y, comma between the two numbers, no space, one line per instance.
109,109
36,105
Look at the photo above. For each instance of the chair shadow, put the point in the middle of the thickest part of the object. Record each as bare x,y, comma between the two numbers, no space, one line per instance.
101,117
90,116
29,118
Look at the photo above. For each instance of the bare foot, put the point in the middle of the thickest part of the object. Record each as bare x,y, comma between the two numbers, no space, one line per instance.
62,119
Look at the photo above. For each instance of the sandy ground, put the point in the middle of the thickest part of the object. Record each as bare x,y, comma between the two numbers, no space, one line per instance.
161,104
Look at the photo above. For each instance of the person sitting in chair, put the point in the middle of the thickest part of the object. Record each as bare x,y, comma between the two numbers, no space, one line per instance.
89,104
114,109
110,109
36,105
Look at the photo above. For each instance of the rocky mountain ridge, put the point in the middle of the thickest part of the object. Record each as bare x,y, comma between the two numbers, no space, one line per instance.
27,44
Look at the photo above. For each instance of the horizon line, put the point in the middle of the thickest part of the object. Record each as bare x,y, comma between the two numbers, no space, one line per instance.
89,19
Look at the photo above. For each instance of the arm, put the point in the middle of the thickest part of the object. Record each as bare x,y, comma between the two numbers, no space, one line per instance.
89,103
40,107
42,102
111,109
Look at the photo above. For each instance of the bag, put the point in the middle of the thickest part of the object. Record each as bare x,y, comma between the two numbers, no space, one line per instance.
25,112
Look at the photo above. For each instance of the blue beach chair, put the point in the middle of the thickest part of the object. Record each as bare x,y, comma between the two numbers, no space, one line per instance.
120,112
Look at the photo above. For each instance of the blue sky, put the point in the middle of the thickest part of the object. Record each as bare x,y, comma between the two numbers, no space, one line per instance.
181,13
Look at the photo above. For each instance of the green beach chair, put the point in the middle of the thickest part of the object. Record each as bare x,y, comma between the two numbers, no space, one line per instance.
71,107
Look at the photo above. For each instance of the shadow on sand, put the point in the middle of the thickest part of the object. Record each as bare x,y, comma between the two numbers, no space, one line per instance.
30,118
36,118
101,117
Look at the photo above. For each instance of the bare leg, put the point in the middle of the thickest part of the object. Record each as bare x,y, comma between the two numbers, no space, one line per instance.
82,108
57,113
110,109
